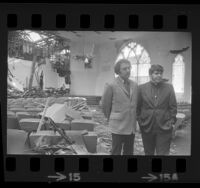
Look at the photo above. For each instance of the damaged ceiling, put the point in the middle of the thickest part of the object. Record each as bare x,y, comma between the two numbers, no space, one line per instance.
100,36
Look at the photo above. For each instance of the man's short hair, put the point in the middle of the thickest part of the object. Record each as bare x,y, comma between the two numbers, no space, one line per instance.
118,64
154,68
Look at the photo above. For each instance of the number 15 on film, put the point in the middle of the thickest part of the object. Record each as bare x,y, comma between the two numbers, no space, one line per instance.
74,176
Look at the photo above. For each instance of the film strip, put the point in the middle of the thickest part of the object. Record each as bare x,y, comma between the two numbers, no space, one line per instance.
112,18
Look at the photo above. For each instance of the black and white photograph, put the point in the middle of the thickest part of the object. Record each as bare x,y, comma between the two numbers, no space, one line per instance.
99,93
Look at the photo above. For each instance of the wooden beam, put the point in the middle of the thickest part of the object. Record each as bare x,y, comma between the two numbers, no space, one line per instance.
32,69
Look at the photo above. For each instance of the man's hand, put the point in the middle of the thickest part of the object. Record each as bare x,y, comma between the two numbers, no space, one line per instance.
138,120
173,123
173,129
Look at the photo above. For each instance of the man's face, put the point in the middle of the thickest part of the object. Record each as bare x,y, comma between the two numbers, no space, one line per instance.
156,77
125,70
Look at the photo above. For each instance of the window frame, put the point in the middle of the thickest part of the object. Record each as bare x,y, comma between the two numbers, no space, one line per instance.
132,46
179,95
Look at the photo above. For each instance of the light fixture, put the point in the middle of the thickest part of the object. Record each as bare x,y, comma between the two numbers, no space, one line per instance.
86,60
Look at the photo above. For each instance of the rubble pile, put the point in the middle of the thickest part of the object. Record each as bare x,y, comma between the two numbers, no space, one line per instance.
172,149
52,92
186,121
12,93
37,93
104,139
98,115
185,108
44,146
138,145
33,92
57,149
77,103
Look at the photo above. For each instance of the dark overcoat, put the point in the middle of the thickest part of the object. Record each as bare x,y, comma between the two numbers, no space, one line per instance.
156,110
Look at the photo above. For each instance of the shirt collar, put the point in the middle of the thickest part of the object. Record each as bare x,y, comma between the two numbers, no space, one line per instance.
122,80
156,85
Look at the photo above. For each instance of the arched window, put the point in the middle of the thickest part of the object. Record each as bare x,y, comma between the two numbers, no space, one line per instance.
178,74
140,61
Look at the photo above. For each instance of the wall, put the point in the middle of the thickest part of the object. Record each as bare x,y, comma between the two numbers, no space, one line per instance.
83,81
92,81
50,77
106,68
21,70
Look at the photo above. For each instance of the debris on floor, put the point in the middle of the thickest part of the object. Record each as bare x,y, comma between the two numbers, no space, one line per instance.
72,115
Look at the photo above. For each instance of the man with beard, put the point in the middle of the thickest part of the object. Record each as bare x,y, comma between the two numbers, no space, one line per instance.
156,112
119,107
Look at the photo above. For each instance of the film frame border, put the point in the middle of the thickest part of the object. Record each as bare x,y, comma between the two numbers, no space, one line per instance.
106,18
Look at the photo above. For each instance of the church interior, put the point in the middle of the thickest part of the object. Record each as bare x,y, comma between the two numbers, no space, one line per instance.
56,80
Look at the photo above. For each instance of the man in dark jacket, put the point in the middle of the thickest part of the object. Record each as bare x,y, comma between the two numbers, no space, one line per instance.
156,112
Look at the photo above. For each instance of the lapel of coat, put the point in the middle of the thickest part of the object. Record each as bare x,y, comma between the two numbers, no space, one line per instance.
121,85
133,91
160,94
148,94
